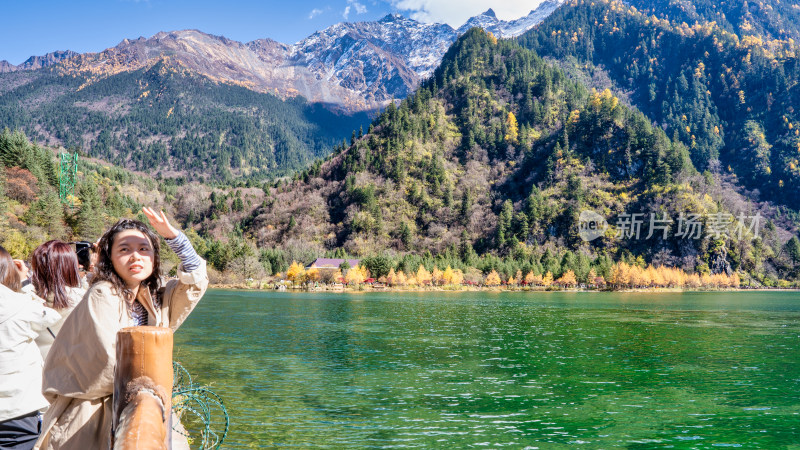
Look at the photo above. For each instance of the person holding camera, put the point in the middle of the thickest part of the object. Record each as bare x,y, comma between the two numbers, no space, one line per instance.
55,278
87,258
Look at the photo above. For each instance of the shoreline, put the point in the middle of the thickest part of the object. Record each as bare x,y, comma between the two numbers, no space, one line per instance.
369,289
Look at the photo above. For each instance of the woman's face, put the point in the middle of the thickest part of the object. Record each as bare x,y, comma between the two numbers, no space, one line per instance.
132,257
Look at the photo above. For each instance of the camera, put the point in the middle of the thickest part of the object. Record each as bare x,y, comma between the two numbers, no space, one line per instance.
84,251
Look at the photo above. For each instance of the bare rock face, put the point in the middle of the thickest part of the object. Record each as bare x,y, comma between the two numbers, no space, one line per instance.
719,262
50,59
349,66
38,62
381,60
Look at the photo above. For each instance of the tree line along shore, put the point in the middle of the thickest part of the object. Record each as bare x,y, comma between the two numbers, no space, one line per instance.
622,277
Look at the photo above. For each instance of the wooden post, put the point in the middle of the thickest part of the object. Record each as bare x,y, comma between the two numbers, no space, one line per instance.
143,388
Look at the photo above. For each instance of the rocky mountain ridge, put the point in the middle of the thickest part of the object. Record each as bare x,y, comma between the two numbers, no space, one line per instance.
513,28
38,62
351,67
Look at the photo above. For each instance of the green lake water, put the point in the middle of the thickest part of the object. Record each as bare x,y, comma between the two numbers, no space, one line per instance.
488,370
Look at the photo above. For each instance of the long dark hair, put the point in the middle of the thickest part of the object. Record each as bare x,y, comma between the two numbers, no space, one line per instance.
54,266
9,276
104,269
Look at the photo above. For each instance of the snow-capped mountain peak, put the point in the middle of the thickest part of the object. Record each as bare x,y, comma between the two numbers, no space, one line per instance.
394,17
352,65
508,29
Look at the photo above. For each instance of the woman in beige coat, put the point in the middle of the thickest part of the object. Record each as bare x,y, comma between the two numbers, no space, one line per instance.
126,291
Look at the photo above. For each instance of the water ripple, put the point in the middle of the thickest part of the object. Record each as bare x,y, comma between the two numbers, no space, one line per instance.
519,371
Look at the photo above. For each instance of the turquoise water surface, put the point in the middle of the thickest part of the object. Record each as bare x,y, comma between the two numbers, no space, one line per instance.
487,370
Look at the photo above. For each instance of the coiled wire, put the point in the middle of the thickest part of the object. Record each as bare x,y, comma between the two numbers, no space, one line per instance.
199,409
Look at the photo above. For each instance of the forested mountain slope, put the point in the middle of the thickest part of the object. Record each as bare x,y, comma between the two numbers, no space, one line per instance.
172,121
770,19
725,98
499,153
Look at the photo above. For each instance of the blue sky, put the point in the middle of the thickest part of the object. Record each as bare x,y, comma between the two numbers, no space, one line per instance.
36,27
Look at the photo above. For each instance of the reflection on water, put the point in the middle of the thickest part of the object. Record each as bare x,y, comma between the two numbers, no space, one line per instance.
589,370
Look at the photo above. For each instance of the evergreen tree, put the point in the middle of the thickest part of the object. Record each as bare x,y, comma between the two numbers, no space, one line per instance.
89,224
48,213
504,223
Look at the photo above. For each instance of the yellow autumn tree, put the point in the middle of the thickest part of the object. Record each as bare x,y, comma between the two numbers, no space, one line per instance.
391,277
591,278
567,279
423,276
447,276
355,275
547,280
637,275
681,277
705,280
529,278
436,276
735,280
650,276
493,279
337,276
676,277
295,272
401,278
693,281
512,129
620,276
312,275
457,278
664,276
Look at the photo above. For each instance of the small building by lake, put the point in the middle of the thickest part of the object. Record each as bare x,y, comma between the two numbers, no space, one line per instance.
331,263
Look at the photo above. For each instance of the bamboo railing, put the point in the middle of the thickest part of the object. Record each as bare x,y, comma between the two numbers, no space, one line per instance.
143,389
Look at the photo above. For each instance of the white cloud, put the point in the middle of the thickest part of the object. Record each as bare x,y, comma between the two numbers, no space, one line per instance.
456,12
353,5
314,13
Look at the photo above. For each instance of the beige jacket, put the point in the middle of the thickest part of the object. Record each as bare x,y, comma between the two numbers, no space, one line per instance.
79,370
46,337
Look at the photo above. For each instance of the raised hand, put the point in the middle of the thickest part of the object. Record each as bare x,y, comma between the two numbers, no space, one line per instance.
160,223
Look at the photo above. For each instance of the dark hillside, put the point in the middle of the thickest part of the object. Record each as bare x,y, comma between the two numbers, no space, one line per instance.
173,122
